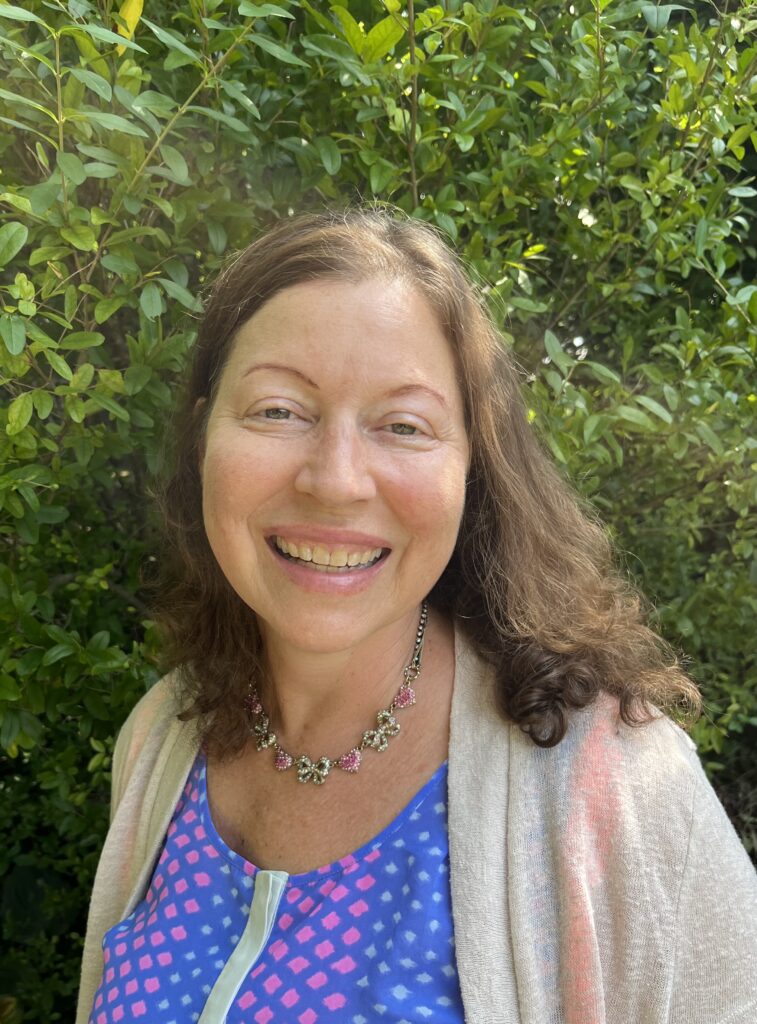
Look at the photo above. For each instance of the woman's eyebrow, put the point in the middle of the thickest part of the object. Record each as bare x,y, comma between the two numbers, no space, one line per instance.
281,368
408,389
404,389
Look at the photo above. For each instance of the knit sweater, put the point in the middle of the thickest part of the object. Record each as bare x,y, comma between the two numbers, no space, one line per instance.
595,882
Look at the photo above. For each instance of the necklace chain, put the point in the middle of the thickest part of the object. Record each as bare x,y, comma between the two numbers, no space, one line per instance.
387,726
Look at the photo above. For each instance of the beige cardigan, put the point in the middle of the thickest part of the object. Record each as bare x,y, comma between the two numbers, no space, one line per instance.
596,882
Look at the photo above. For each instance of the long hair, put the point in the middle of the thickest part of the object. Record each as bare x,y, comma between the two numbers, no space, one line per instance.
532,578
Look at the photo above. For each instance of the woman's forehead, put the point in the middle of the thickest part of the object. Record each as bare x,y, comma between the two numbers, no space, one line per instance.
347,320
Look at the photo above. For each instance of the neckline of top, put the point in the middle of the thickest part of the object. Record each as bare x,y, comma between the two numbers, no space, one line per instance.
319,874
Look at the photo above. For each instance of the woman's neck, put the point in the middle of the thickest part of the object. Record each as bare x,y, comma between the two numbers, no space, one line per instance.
318,702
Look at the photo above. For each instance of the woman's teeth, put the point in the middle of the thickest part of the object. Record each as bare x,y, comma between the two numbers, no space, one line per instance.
319,557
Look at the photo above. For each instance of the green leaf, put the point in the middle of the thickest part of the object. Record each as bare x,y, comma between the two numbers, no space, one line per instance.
176,163
655,407
104,35
538,87
658,16
96,83
57,653
528,305
81,236
557,353
72,167
9,689
248,10
113,122
275,50
328,151
109,405
216,236
601,372
218,115
631,414
319,18
180,294
105,308
19,413
671,396
48,252
43,196
135,378
43,402
381,175
592,424
235,91
51,514
170,40
75,408
351,28
700,236
740,136
19,202
743,295
25,101
150,301
155,103
13,236
95,169
557,451
13,333
124,266
710,438
59,364
83,377
78,340
382,38
18,14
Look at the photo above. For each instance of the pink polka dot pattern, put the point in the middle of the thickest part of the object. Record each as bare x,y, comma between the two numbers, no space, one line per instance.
368,937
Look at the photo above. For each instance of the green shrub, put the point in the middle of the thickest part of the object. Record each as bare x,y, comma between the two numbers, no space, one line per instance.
593,163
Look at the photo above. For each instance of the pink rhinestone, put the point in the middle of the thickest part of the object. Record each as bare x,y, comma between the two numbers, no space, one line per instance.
252,704
350,762
282,761
405,697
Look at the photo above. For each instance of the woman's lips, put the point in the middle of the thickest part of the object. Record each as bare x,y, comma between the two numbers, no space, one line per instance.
328,536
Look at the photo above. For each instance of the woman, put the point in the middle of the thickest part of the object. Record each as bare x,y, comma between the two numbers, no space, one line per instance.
409,764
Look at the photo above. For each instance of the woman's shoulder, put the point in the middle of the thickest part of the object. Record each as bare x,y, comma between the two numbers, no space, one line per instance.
154,710
609,786
599,732
602,753
146,727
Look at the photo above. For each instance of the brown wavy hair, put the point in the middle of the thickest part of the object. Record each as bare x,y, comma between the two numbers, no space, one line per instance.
533,577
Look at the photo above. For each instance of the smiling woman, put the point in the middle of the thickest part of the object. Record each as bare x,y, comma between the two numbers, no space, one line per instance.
364,459
411,760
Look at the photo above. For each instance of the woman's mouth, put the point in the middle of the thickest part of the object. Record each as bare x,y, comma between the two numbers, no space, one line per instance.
327,559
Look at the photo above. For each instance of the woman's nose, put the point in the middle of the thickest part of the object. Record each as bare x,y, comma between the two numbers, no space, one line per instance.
336,470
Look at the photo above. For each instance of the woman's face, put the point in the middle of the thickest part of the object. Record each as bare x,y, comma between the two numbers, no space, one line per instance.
335,460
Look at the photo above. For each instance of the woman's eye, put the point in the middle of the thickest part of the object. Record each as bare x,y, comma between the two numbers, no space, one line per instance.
403,429
277,414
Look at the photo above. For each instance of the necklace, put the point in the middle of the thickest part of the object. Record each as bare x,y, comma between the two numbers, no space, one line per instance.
387,725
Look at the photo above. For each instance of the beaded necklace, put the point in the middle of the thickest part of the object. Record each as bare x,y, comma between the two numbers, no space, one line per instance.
377,739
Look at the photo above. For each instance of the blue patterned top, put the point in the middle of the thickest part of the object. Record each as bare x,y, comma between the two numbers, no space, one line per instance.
216,939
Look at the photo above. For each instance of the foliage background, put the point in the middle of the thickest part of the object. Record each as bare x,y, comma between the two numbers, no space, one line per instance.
594,165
